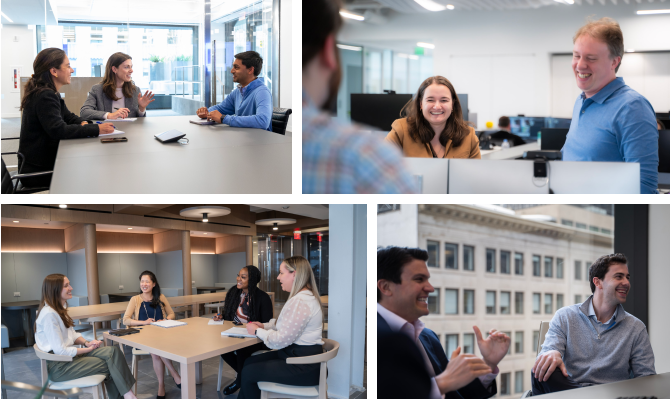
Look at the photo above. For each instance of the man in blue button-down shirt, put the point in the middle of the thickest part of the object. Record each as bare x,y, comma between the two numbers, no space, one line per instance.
610,121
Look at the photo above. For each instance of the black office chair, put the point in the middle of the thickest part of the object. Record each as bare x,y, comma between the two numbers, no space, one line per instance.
280,119
8,184
498,137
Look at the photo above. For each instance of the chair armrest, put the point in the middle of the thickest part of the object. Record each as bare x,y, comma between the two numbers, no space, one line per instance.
9,153
28,175
20,386
323,357
51,356
11,138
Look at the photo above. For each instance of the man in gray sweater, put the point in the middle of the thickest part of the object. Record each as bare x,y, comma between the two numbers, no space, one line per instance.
596,342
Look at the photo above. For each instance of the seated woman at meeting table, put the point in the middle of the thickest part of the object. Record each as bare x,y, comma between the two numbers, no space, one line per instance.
434,126
54,332
145,308
116,97
245,303
46,120
297,333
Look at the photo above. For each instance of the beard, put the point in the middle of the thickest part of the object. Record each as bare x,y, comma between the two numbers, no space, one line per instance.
330,105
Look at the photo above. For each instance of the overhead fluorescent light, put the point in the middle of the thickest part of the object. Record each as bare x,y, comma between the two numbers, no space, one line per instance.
649,12
411,57
426,45
352,48
347,14
450,7
6,17
430,5
565,1
630,50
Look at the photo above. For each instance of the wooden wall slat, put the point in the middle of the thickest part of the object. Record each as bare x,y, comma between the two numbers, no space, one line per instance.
16,239
124,242
203,245
231,244
167,241
74,237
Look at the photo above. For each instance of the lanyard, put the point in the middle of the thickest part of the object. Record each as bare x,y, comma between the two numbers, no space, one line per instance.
145,310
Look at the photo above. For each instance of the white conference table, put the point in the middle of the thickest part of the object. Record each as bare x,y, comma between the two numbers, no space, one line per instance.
653,385
218,159
189,345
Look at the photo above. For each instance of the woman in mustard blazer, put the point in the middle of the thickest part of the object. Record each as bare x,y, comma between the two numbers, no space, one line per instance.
434,126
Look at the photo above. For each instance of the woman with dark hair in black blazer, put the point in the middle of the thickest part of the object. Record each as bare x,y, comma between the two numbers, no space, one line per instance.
245,303
46,120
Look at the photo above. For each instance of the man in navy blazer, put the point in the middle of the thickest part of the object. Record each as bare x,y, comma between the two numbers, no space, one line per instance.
402,293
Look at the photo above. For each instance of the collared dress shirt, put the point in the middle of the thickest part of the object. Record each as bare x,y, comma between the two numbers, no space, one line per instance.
52,335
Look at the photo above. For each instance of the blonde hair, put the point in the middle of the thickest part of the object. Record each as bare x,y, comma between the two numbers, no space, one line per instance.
304,277
606,30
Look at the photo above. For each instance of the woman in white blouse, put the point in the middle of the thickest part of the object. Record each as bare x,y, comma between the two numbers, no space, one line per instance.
296,333
55,334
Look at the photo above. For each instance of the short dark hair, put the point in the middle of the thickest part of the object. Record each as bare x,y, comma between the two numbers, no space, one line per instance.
251,59
503,121
600,267
390,261
320,19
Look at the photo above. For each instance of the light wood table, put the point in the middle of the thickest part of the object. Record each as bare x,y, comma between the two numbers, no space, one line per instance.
189,345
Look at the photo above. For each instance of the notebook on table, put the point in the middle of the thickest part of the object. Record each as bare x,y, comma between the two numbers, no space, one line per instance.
238,332
202,122
168,323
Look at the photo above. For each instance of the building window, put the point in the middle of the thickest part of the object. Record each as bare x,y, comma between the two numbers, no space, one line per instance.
536,266
434,302
490,260
433,248
505,262
518,264
581,226
504,384
587,267
536,338
518,382
578,270
536,303
578,299
468,257
450,301
566,222
606,231
451,256
594,228
468,301
518,302
509,348
548,303
548,266
559,267
452,344
381,208
468,343
559,301
518,342
490,302
504,302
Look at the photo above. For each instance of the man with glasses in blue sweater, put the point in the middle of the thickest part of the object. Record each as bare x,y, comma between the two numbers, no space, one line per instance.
596,342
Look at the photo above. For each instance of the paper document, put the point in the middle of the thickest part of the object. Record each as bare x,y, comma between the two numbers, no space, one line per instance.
121,120
102,136
168,323
238,332
216,323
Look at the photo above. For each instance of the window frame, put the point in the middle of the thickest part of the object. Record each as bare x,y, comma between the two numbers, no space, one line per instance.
455,256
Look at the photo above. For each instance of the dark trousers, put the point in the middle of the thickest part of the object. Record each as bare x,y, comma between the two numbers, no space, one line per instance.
237,358
272,367
556,382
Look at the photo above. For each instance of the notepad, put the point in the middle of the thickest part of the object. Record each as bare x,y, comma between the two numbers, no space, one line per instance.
202,122
121,120
168,323
215,323
237,332
102,136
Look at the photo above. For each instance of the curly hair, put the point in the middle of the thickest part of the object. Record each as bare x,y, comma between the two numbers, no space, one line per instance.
232,298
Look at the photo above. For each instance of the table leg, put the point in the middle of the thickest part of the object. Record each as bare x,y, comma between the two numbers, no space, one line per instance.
198,372
187,380
28,328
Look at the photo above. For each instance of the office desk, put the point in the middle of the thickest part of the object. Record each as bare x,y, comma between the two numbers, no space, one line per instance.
510,153
27,309
218,159
654,385
202,290
189,345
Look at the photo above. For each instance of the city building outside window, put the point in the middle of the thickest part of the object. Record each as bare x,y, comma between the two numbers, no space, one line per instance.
548,303
450,256
536,266
518,302
434,302
490,302
504,302
536,303
578,270
578,299
559,267
468,302
433,248
468,257
451,344
504,384
536,338
581,226
450,301
490,260
594,228
518,382
509,348
505,262
566,222
559,301
587,267
548,266
518,263
468,343
518,342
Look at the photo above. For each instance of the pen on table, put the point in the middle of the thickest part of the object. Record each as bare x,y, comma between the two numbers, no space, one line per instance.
99,122
237,336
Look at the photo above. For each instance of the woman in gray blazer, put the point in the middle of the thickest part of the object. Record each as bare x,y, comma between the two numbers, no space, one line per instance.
116,97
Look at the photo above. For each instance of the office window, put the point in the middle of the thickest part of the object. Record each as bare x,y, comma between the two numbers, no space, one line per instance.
518,302
578,299
606,231
504,302
434,302
536,303
518,382
581,226
468,257
587,267
451,256
559,267
509,348
451,344
536,338
468,302
548,266
433,253
490,302
468,343
559,301
594,228
566,222
536,265
518,263
578,270
505,262
518,342
548,305
490,260
450,301
504,384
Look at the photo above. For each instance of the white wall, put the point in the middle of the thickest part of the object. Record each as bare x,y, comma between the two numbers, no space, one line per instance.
285,58
15,53
659,275
503,59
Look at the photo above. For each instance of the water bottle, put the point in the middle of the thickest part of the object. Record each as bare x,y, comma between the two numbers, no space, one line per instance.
505,144
539,139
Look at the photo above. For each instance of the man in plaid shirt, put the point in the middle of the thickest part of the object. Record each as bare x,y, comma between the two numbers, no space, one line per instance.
337,157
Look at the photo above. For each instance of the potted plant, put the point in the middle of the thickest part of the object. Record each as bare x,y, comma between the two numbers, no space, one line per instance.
157,69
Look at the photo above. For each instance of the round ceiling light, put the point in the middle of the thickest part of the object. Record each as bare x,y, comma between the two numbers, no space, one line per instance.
205,212
275,223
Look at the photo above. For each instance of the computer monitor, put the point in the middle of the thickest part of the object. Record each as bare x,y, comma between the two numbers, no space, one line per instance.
377,110
553,139
663,115
560,123
664,151
525,126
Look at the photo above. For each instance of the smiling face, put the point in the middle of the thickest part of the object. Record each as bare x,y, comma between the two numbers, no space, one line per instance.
243,279
66,293
241,74
146,285
436,104
61,76
615,285
409,299
285,278
124,71
592,65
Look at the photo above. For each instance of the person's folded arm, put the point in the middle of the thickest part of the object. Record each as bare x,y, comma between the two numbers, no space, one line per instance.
642,356
270,325
227,106
262,118
294,320
55,126
639,141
